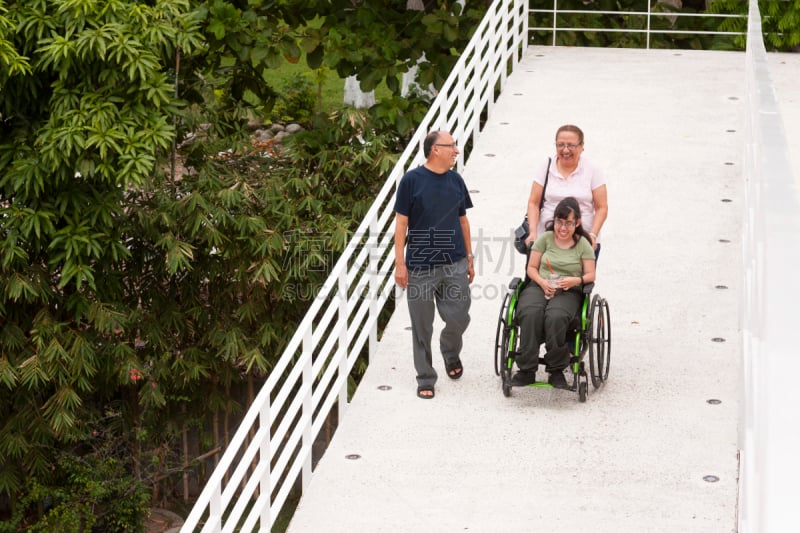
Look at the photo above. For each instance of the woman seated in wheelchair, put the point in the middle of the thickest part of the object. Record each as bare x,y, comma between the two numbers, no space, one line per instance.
561,260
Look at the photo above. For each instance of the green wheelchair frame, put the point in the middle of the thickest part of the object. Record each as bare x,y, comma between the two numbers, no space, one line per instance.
591,331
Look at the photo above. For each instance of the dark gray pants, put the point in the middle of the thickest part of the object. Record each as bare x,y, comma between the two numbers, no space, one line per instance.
446,289
545,320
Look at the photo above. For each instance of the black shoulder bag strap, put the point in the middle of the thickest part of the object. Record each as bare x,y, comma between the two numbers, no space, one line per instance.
546,177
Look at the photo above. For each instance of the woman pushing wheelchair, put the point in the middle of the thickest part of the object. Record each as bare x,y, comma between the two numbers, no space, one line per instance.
561,260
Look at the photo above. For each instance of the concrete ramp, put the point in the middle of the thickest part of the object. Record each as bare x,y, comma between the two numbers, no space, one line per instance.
655,449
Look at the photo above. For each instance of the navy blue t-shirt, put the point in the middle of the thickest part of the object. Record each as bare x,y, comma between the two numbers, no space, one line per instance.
433,204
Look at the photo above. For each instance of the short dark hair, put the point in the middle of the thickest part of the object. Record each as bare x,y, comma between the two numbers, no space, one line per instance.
427,145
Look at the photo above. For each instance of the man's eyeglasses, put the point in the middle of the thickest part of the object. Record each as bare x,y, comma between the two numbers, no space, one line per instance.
571,146
565,223
451,145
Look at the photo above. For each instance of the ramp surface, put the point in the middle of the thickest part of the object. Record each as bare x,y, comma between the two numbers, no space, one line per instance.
649,451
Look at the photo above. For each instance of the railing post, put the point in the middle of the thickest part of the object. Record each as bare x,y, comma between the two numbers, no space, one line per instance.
504,34
460,113
343,341
492,54
214,524
521,11
374,286
307,414
555,25
265,454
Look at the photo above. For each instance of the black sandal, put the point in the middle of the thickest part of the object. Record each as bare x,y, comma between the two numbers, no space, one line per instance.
430,396
454,366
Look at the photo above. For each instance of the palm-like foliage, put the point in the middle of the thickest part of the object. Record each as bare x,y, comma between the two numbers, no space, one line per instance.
152,259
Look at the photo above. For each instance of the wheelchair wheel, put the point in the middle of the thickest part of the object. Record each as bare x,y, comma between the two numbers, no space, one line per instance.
509,343
599,341
605,329
501,337
506,387
583,389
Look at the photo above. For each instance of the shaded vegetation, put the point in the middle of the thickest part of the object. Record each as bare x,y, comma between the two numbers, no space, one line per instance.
154,261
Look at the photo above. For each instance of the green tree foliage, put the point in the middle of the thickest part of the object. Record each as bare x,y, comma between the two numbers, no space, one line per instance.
86,118
242,41
379,40
151,257
317,174
87,123
299,99
84,491
780,21
382,39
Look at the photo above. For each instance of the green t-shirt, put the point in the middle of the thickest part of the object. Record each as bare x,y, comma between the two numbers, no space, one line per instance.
565,262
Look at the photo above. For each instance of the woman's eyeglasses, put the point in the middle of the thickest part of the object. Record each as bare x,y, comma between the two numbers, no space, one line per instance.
571,146
565,223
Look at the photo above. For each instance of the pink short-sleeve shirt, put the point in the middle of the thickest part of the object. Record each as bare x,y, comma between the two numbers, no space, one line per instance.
580,184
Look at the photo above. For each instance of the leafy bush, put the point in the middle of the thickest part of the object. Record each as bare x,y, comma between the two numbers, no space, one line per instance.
400,114
337,167
149,252
297,100
780,21
84,493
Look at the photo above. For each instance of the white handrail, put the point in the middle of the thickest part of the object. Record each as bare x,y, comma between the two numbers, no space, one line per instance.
647,15
769,429
272,447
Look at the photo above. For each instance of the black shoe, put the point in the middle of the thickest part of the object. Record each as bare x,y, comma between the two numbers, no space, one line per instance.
557,380
523,378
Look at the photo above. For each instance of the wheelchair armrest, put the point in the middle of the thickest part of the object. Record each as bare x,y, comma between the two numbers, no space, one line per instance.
514,284
587,288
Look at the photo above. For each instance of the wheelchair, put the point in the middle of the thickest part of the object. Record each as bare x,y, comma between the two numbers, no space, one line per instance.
590,331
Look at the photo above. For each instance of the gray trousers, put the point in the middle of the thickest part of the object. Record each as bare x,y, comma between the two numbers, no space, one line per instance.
545,320
445,288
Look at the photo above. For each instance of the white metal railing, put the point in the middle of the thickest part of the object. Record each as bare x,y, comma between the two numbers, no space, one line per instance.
647,17
769,430
272,448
